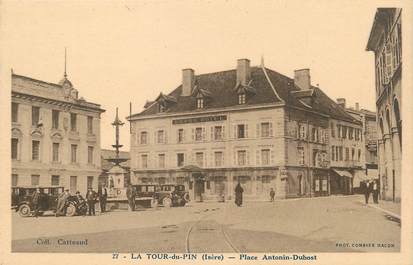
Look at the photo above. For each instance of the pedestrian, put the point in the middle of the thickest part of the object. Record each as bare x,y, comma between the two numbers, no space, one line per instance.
272,194
61,202
91,200
238,194
103,196
375,192
131,194
35,202
367,191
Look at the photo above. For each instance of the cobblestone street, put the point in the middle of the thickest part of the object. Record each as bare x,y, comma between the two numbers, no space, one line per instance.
324,224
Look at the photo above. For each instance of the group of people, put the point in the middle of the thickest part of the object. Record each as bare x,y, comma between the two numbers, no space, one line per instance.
371,187
92,196
37,200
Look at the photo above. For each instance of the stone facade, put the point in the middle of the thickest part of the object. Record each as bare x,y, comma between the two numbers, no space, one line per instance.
369,139
262,133
55,135
386,42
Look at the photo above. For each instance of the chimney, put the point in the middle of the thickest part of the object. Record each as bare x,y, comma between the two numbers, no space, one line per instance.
243,71
302,78
188,80
357,106
341,102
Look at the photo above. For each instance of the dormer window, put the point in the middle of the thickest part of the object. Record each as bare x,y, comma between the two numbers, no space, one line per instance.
200,103
161,107
241,98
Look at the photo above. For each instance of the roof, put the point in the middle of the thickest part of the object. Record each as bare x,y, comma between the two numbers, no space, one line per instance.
106,153
24,86
269,87
379,23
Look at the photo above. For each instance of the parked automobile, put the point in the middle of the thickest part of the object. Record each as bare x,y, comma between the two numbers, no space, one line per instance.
22,201
172,195
145,194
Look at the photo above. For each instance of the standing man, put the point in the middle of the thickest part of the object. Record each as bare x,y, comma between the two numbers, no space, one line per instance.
61,202
35,202
367,190
375,192
103,196
91,200
238,194
272,194
131,194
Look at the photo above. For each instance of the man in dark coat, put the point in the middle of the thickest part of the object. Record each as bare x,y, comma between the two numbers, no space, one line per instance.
131,194
238,194
36,202
375,189
103,196
272,194
367,191
91,200
61,202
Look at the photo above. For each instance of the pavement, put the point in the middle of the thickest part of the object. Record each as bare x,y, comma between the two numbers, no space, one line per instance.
323,224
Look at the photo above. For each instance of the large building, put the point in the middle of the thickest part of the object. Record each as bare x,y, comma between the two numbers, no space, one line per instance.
249,124
55,135
386,42
369,139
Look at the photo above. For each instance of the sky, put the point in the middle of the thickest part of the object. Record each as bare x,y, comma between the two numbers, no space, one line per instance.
130,51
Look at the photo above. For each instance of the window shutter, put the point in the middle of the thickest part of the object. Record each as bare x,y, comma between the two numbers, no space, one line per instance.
223,159
272,156
247,157
246,130
235,131
193,134
177,135
203,134
388,61
258,130
257,157
212,133
148,137
212,159
165,140
223,131
271,131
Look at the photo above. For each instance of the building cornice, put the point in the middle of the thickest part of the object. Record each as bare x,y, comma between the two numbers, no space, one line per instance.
65,104
199,113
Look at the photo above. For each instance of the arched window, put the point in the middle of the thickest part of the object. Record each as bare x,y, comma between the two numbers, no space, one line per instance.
398,119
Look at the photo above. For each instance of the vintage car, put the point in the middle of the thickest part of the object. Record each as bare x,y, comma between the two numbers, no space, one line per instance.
145,194
22,201
171,195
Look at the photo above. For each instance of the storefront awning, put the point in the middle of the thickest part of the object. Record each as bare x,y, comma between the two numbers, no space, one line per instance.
343,173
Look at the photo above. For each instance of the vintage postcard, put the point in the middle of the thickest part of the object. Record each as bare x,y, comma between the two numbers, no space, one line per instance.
206,131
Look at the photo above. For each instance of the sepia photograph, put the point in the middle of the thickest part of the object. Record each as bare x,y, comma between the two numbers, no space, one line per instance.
180,130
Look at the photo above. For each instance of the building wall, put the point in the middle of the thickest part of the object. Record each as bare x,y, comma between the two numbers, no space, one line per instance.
253,143
23,130
284,172
388,62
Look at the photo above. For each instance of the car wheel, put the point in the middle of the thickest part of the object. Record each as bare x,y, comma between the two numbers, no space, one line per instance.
24,210
167,202
70,210
186,197
154,203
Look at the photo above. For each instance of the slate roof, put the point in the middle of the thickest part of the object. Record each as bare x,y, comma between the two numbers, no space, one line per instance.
223,93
